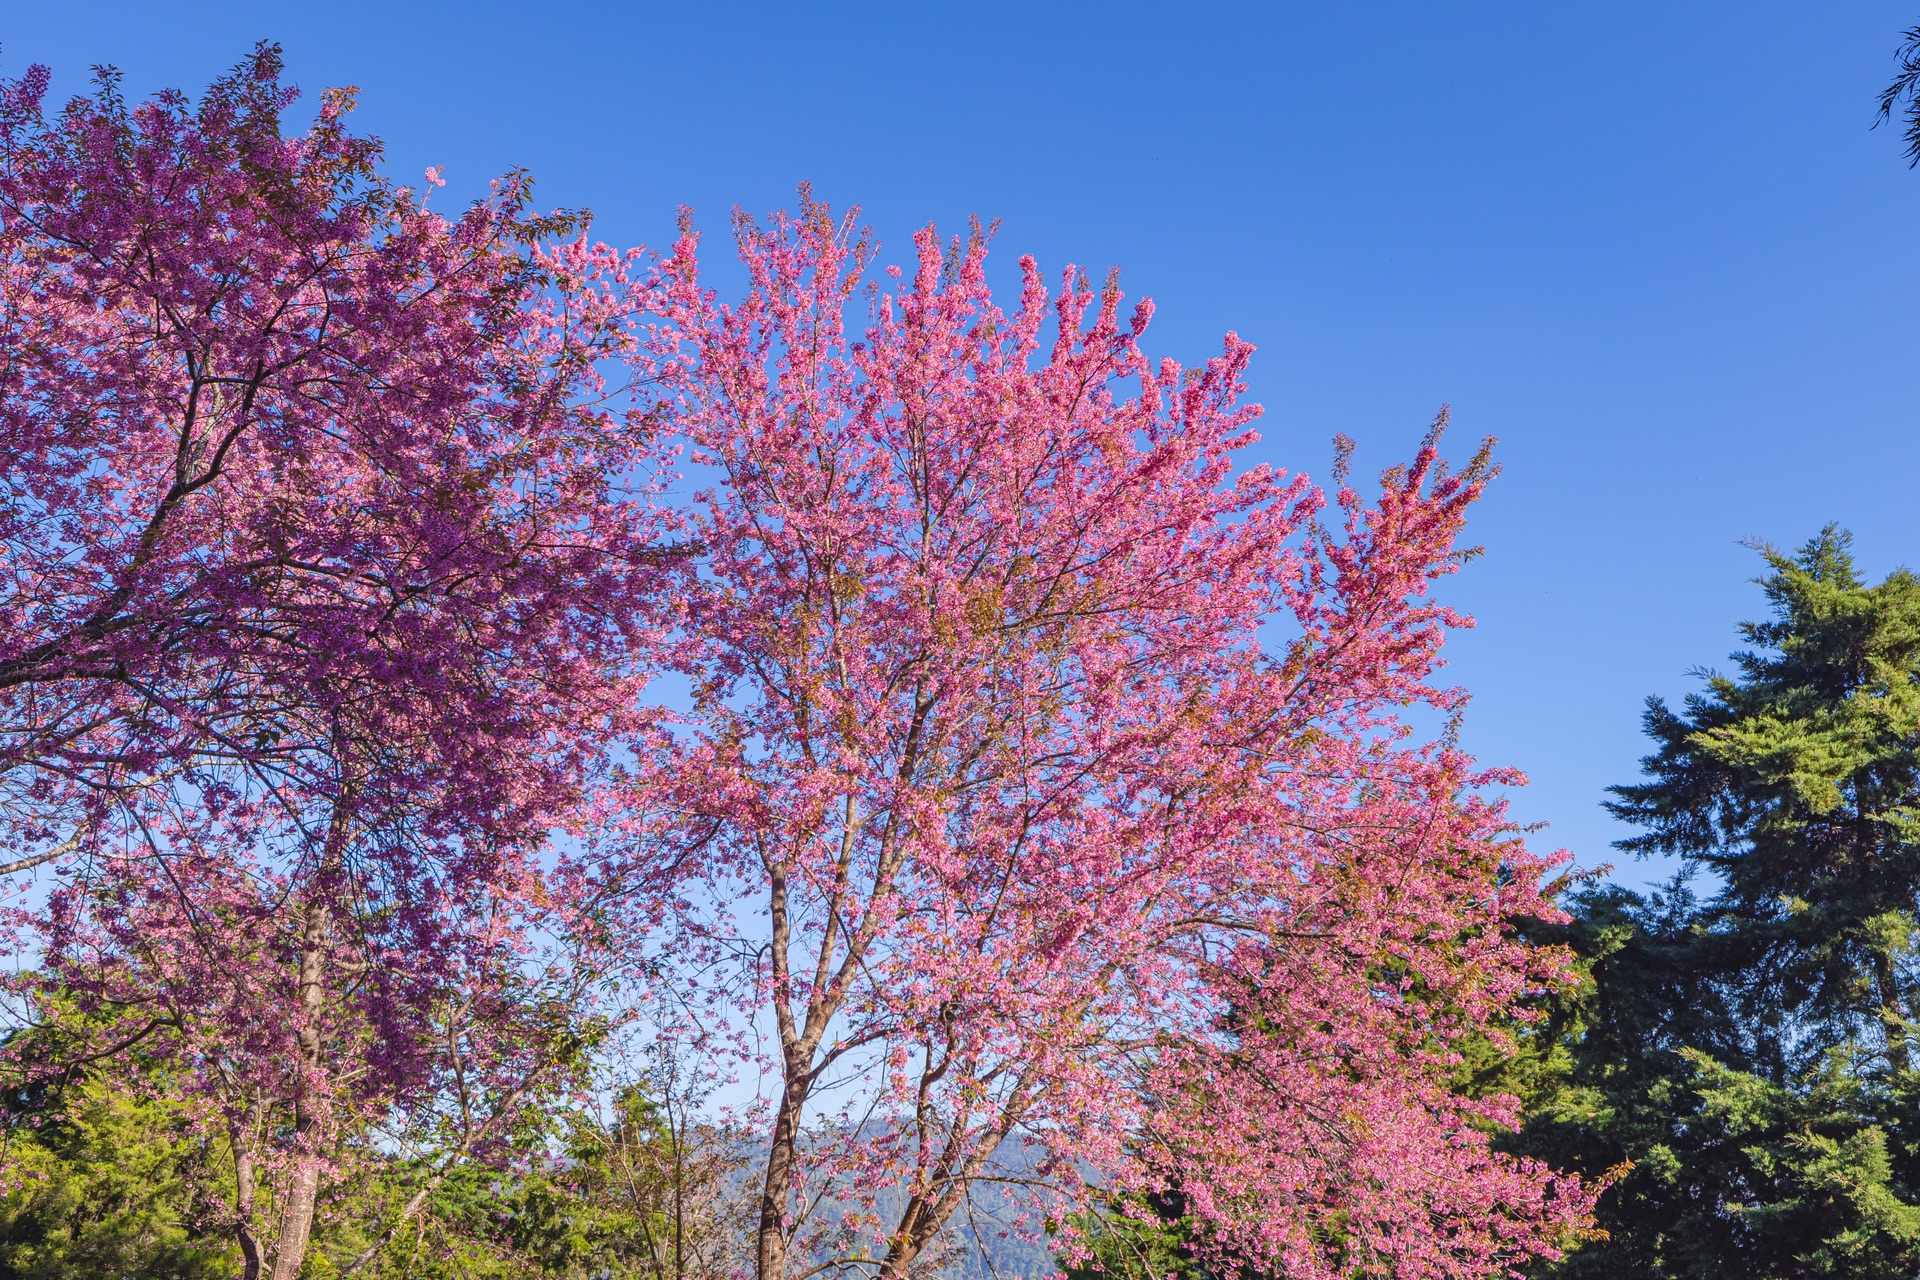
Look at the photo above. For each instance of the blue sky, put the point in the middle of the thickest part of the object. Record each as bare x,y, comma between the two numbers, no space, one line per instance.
1653,247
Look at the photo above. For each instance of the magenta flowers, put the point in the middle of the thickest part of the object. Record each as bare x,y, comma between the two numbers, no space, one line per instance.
1070,771
1053,781
323,589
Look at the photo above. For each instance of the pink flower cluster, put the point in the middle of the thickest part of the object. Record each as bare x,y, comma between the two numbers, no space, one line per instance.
1055,778
327,577
1071,770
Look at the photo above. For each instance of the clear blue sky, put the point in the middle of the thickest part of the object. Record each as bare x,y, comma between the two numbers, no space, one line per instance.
1653,247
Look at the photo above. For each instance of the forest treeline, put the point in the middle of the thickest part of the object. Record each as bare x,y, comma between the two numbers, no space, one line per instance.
516,763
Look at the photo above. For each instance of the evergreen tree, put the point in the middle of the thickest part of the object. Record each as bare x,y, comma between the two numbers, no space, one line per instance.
1742,1056
110,1175
111,1179
1136,1238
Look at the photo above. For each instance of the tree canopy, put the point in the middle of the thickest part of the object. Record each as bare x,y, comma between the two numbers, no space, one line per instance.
1060,813
1740,1051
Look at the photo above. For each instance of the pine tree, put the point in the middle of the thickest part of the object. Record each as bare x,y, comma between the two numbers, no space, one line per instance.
110,1177
1741,1053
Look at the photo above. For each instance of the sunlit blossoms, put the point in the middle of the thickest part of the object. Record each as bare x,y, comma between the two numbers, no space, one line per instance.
1047,810
1063,778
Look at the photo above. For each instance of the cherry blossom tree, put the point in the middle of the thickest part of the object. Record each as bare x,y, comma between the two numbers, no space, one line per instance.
1071,777
328,564
1074,771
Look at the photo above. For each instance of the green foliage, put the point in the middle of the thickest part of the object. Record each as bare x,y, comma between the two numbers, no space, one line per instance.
637,1192
112,1180
1740,1059
1139,1238
1798,786
640,1192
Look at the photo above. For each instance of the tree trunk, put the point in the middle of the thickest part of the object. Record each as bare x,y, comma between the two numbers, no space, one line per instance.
245,1177
771,1244
908,1241
932,1206
798,1044
309,1108
920,1222
296,1221
296,1216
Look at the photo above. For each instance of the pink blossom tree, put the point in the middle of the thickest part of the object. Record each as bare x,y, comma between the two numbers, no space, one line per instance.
328,564
1070,775
1073,770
